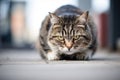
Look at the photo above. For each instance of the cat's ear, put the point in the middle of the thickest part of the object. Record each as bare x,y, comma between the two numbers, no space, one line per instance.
53,18
84,17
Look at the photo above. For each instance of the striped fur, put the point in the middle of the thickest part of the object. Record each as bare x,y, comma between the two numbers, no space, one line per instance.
67,34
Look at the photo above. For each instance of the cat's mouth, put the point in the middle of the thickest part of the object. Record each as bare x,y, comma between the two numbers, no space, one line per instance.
65,50
69,52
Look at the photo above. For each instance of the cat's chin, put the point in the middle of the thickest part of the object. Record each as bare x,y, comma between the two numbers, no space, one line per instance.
69,52
66,51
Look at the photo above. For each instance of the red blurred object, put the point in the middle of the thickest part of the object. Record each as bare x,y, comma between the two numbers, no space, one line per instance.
103,18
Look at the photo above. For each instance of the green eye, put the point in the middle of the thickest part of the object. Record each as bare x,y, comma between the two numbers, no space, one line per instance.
60,37
76,37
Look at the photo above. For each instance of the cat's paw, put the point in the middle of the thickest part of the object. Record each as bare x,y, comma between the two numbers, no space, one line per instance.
84,56
80,57
52,56
88,55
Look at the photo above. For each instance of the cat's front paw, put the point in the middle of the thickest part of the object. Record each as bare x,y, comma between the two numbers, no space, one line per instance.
52,56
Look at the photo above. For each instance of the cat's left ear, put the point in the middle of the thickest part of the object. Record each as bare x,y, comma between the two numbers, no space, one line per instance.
84,17
54,18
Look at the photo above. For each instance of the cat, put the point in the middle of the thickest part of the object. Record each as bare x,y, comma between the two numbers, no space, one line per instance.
68,34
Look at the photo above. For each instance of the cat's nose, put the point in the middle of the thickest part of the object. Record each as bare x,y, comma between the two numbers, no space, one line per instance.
68,44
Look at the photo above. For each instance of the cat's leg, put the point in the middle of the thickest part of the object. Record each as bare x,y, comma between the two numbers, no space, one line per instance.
92,48
48,54
80,56
42,49
86,55
89,54
83,55
52,55
43,52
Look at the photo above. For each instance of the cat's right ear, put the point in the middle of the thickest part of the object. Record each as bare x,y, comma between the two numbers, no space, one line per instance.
53,18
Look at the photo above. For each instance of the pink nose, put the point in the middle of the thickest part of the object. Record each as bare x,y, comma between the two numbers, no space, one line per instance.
68,44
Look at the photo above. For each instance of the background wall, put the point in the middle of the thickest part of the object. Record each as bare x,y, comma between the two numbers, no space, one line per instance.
20,20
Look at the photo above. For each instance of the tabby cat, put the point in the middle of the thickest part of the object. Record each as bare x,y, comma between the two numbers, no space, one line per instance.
67,34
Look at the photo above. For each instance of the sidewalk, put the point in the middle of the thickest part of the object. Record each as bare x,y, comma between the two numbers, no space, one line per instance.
27,65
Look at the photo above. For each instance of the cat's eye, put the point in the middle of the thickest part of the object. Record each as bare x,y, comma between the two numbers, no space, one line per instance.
60,37
76,37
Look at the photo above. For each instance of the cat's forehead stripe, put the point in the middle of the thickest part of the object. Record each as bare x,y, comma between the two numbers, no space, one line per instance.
69,19
67,30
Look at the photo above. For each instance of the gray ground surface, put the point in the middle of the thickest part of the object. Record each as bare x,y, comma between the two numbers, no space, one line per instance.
27,65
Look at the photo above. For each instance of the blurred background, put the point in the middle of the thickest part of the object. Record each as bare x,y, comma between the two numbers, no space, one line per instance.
20,21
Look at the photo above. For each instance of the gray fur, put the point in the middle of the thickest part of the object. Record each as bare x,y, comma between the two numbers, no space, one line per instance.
67,34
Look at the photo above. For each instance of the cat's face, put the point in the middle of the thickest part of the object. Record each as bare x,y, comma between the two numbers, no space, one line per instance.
70,33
